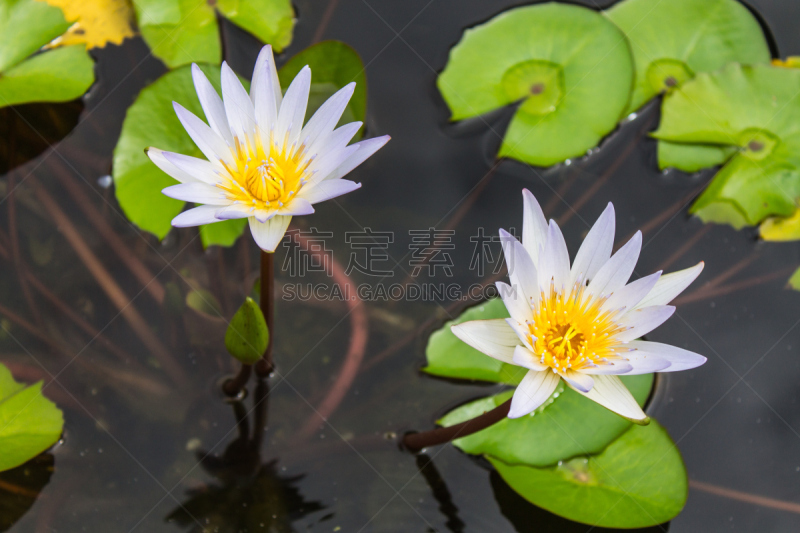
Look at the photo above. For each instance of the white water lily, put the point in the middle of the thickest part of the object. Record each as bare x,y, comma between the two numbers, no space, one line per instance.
262,163
579,323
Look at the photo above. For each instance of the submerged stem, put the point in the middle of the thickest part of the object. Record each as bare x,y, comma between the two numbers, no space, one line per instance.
265,365
234,386
415,442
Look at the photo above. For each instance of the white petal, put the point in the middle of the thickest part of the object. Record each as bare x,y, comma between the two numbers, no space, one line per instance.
514,301
292,112
197,216
642,321
211,144
642,363
263,91
335,141
534,389
212,105
617,367
269,234
238,106
534,225
628,296
578,381
522,331
609,392
678,358
328,189
521,270
526,358
199,193
553,265
327,116
617,271
234,211
323,166
671,285
365,149
157,157
596,248
201,169
492,337
296,207
262,215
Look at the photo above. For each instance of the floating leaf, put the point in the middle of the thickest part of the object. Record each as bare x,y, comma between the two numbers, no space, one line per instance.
639,480
565,426
180,32
794,281
51,76
95,23
333,64
151,121
754,110
672,41
781,228
450,357
247,336
692,157
568,66
29,422
789,62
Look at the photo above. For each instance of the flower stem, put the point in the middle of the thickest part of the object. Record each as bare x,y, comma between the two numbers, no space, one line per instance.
415,442
234,386
265,365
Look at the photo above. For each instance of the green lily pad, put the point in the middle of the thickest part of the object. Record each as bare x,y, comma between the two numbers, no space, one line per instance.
692,157
754,110
569,66
565,426
673,41
333,64
28,74
781,228
247,336
794,281
180,32
450,357
639,480
29,422
151,121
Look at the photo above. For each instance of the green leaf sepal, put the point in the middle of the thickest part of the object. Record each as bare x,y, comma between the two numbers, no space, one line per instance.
247,336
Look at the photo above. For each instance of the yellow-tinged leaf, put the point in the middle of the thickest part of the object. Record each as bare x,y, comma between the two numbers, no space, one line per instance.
789,62
95,22
781,228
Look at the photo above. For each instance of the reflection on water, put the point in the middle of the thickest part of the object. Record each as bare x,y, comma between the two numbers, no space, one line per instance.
246,494
20,487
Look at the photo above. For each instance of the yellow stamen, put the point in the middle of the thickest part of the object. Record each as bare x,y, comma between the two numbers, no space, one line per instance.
569,330
265,176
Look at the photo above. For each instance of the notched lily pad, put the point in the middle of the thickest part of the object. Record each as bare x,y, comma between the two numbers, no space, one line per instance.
672,41
565,426
639,480
450,357
569,68
180,32
29,422
781,228
30,74
753,112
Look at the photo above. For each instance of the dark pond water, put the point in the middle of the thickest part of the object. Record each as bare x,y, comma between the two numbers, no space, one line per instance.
129,461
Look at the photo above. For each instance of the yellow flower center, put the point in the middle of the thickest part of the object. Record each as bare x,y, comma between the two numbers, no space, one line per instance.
266,177
571,331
